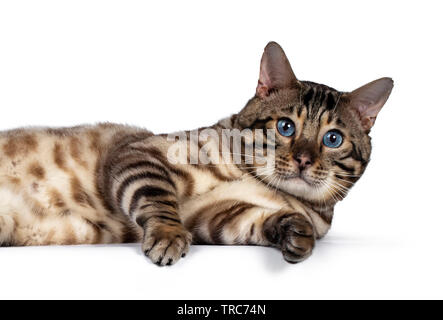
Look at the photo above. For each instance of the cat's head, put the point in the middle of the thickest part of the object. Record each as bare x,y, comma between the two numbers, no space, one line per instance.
321,144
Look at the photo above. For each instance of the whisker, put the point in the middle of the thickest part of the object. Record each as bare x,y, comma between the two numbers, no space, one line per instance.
337,193
347,181
325,184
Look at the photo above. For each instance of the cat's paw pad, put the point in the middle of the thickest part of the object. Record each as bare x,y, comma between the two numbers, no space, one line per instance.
297,238
165,246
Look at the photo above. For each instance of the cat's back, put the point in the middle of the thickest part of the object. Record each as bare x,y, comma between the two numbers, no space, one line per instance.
48,181
38,153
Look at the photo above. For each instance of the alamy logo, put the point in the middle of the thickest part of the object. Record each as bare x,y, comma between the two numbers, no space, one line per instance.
227,146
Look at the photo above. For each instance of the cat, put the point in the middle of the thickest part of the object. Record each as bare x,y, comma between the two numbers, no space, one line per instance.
110,183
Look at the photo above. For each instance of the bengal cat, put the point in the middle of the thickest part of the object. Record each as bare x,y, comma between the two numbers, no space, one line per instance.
110,183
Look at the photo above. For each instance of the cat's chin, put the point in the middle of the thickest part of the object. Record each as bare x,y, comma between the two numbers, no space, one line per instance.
300,181
301,187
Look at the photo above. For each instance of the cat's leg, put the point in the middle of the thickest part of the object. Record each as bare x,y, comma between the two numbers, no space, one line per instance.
243,223
165,238
145,187
7,226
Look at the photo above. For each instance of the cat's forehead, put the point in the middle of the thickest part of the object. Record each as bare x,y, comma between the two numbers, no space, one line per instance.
307,95
317,98
314,105
309,101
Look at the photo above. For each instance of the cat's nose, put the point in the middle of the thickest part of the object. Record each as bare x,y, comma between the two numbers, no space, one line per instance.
303,161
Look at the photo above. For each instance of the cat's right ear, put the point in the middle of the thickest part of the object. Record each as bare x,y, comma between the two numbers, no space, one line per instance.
275,71
369,99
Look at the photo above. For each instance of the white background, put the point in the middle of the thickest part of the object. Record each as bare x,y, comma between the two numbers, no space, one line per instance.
169,65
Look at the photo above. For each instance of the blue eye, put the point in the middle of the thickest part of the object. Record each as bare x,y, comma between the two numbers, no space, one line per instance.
286,127
333,139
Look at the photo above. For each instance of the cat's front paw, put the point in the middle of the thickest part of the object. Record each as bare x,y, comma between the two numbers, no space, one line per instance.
165,245
293,234
298,240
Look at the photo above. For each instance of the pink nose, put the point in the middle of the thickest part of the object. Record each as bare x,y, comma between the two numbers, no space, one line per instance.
303,161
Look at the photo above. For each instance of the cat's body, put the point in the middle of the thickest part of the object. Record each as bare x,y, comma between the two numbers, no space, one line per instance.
55,188
113,183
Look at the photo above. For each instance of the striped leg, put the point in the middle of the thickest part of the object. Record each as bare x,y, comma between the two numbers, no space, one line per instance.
233,222
145,188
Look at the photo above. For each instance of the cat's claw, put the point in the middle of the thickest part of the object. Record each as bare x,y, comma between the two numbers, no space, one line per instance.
167,247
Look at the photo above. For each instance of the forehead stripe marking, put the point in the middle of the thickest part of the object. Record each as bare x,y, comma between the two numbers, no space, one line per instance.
308,96
330,101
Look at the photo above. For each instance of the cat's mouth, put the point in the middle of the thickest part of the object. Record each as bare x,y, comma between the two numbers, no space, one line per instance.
301,179
305,185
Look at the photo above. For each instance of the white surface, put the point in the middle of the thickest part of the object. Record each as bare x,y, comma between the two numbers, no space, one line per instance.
169,65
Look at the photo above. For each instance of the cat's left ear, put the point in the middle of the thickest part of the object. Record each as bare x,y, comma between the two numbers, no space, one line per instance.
369,99
275,71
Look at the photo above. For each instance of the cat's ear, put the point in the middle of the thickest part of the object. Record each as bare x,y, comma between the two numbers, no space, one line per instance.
275,71
369,99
